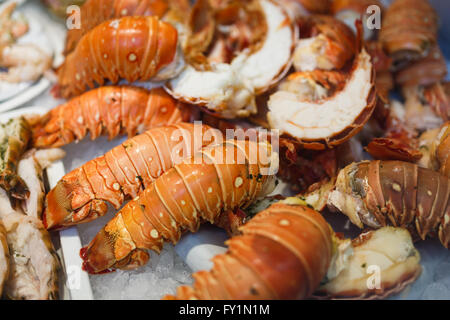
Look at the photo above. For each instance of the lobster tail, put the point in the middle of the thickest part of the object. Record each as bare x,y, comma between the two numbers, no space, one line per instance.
130,48
380,193
402,42
219,178
107,110
122,173
283,253
94,12
58,205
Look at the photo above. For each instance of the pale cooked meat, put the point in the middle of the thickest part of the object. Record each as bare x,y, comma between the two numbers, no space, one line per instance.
326,119
30,169
33,261
390,251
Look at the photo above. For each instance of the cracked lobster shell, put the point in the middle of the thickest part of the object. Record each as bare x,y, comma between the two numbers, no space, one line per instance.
349,131
228,90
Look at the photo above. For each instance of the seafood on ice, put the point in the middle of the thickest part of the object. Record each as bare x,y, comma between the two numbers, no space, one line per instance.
283,252
288,251
217,179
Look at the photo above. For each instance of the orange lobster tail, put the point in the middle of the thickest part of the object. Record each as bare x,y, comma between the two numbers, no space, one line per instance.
131,48
94,12
111,110
405,195
81,195
409,29
283,253
199,189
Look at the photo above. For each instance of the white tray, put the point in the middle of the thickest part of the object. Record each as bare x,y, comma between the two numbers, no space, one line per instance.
74,282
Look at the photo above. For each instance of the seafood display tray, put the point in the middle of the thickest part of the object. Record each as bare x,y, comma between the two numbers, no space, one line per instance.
198,249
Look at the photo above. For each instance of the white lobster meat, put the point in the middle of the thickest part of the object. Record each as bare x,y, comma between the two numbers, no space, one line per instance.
373,266
330,121
230,88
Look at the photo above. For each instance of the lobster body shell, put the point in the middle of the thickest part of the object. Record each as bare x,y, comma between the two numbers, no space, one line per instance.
94,12
398,193
131,48
81,195
109,109
408,30
283,253
191,192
